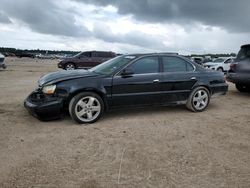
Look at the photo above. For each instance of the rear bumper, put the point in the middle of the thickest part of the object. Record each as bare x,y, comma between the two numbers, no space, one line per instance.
219,89
243,78
45,108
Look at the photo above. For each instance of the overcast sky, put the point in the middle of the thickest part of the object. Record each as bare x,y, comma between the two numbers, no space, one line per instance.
126,26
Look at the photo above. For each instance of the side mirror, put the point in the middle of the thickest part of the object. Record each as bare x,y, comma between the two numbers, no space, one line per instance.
127,73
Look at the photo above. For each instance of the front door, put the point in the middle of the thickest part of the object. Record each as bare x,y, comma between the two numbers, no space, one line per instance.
141,87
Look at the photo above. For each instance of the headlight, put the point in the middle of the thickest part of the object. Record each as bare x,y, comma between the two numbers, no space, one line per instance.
49,89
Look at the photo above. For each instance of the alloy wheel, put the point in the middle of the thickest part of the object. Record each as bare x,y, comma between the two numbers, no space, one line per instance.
70,66
200,99
88,109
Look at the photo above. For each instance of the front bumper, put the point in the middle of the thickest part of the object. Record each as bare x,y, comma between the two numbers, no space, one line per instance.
243,78
60,65
42,107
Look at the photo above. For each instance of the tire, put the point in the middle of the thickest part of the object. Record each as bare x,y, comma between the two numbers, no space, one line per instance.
198,99
242,88
86,107
69,66
220,69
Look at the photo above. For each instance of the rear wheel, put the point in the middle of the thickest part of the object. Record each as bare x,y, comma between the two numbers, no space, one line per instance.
86,107
70,66
198,99
242,88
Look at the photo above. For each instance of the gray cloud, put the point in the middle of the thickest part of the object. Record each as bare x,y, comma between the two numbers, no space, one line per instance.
4,18
43,17
229,14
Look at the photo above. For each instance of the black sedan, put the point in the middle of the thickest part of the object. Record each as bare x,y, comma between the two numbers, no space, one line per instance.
125,81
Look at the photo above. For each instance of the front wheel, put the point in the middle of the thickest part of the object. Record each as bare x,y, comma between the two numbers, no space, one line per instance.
70,66
86,107
198,99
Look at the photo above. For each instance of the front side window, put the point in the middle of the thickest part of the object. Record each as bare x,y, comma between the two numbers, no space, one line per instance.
86,54
176,64
145,65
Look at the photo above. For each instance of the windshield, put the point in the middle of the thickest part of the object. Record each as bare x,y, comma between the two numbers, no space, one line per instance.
243,54
219,60
112,65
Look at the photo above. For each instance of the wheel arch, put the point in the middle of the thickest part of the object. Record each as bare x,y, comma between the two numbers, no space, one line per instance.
93,90
70,62
203,85
220,68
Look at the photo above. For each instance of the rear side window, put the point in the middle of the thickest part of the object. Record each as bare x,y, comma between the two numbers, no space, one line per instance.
103,54
145,65
175,64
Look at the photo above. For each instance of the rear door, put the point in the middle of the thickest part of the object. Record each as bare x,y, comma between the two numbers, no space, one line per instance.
179,77
142,87
84,60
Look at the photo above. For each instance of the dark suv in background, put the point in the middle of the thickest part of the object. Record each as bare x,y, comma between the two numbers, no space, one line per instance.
85,60
239,72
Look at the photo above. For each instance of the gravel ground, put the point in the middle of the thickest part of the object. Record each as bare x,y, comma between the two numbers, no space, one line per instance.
152,147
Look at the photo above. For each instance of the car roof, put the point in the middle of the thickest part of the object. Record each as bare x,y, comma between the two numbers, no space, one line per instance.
98,51
245,46
148,54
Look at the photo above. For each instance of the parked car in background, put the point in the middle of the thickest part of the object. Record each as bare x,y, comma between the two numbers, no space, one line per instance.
85,60
239,72
2,64
46,56
126,81
25,54
220,64
198,60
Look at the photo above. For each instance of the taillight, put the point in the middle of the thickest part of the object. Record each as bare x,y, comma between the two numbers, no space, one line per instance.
233,66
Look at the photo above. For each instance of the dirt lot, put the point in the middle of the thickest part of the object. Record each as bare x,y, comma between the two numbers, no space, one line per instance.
153,147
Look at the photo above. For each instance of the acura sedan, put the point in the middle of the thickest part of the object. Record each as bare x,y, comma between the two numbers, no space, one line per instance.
125,81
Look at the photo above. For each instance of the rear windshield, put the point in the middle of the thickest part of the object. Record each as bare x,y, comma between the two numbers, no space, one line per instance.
244,53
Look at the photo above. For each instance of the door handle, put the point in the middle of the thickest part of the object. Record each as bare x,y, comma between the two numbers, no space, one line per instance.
156,81
193,78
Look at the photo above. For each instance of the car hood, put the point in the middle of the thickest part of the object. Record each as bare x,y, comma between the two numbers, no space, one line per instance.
59,76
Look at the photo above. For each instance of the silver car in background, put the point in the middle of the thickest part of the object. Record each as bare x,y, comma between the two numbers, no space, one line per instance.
2,64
